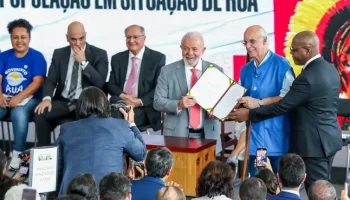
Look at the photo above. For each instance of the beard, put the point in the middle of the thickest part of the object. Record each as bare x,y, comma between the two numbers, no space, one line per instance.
193,62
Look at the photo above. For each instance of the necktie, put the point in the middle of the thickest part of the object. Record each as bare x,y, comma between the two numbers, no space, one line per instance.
74,81
130,87
194,110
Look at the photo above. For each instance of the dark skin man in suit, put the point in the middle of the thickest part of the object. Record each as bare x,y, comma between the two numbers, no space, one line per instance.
312,103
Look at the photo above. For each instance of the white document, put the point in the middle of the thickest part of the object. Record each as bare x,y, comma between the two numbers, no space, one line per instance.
217,93
43,169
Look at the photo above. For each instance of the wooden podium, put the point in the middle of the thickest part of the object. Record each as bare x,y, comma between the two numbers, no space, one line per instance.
190,157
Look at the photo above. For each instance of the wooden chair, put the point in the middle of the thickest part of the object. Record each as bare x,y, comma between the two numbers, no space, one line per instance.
226,141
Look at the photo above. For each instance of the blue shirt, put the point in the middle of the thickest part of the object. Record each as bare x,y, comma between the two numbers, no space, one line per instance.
146,188
18,73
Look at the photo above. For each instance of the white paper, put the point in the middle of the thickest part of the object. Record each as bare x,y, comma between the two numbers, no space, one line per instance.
43,169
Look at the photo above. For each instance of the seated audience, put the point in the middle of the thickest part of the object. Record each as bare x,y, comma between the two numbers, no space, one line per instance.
96,143
252,189
322,190
159,163
291,175
170,193
215,182
269,179
71,197
115,186
22,73
83,185
5,182
16,192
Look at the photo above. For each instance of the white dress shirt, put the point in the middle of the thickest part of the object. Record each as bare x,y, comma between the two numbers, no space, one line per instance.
291,191
311,59
69,77
139,57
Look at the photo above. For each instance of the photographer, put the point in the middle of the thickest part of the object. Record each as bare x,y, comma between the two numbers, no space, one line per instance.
96,143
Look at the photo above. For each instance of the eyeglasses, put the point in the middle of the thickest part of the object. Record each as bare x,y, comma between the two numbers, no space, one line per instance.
133,37
251,41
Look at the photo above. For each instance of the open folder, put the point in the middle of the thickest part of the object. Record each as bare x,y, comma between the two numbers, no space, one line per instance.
216,92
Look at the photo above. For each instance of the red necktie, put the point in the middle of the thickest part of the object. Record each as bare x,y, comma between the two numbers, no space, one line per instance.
194,110
130,87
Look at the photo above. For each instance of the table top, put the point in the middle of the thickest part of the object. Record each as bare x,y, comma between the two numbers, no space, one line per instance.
177,144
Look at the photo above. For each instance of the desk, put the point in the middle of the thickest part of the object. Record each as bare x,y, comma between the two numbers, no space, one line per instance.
190,156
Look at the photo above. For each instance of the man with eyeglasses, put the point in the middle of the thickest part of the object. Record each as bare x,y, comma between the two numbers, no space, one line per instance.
267,78
134,77
312,104
72,69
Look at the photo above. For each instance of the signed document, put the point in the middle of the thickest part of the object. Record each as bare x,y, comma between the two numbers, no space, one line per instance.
216,93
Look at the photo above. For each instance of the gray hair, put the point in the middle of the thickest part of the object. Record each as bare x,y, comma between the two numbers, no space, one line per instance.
322,190
158,162
135,25
193,33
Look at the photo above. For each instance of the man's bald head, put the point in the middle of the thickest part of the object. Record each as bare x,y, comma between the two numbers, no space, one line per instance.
305,45
322,190
255,41
76,35
170,193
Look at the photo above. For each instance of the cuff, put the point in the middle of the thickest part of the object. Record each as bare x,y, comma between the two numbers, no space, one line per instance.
47,97
141,102
84,65
132,125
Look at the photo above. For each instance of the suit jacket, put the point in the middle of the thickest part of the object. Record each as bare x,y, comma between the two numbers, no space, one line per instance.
312,102
96,146
284,195
146,188
94,74
171,87
152,62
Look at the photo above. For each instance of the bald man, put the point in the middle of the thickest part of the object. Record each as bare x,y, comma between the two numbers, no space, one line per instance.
170,193
267,78
72,69
312,103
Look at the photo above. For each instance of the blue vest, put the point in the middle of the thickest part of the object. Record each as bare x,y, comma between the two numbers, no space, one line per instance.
262,82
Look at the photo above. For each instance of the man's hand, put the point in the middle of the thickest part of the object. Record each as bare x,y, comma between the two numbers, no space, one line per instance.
249,102
41,107
135,102
211,116
15,101
79,55
344,193
239,115
3,101
128,116
186,102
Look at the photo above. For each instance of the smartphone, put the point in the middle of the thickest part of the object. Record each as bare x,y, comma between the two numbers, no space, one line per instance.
261,157
23,170
29,194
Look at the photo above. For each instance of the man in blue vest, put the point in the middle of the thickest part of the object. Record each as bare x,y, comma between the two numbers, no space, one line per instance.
267,78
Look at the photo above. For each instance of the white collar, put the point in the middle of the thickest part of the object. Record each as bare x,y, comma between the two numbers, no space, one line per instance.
72,51
139,55
265,58
290,191
311,59
198,66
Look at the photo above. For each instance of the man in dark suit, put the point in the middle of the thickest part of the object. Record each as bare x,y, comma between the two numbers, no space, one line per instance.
312,102
134,78
72,69
291,175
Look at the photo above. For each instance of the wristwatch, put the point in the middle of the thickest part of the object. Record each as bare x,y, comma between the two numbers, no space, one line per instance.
261,102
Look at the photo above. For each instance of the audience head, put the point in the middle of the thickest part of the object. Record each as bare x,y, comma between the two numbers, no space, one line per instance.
16,192
322,190
20,30
170,193
159,162
216,179
135,38
193,47
269,179
76,35
92,101
256,42
305,45
252,189
83,185
115,186
5,182
71,197
291,173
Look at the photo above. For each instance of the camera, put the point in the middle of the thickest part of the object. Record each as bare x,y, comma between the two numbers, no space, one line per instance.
115,109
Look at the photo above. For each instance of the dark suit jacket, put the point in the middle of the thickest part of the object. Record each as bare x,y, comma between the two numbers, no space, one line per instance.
152,62
96,146
312,102
94,74
283,195
146,188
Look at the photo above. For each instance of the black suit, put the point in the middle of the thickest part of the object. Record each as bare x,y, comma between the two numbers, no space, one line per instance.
312,102
151,64
94,74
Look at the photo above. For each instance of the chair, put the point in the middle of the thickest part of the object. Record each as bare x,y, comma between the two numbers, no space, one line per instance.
226,141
